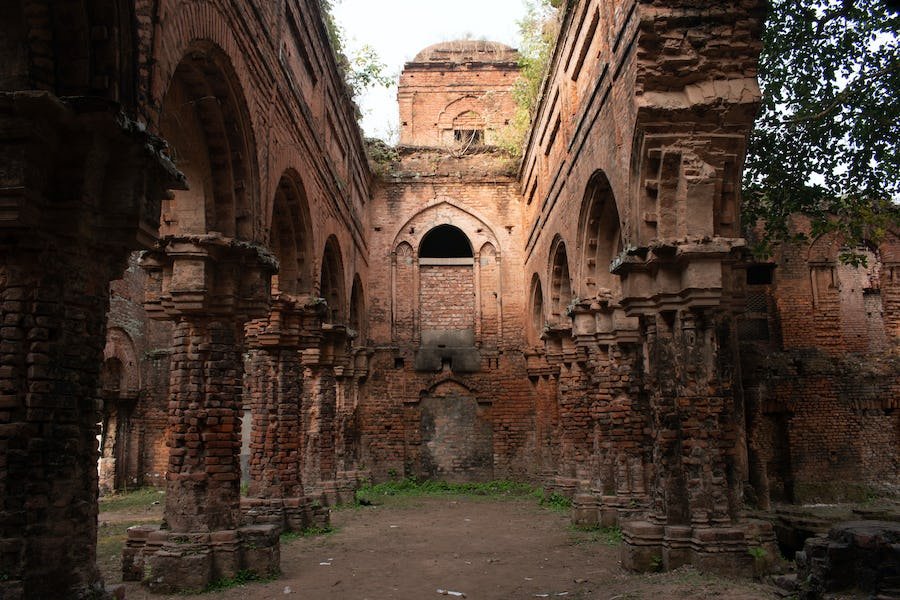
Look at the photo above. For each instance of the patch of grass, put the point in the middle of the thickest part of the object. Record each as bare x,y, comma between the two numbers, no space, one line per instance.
110,541
139,498
609,536
556,502
241,578
409,488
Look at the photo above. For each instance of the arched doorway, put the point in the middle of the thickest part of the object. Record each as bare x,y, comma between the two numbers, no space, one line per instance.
447,301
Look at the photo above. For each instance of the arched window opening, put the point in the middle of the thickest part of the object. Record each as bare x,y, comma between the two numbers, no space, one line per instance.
560,282
331,281
600,238
468,129
537,310
445,241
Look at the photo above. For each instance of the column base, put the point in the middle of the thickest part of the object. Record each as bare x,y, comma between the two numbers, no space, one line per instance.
594,509
287,514
340,490
744,549
168,562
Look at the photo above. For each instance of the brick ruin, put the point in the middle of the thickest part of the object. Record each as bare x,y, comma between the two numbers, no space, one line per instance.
301,319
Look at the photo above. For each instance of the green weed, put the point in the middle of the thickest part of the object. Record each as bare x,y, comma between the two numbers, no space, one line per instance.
139,498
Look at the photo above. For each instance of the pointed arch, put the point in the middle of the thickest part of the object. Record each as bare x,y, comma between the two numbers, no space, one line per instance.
560,282
357,320
599,238
204,118
537,318
331,281
444,211
291,237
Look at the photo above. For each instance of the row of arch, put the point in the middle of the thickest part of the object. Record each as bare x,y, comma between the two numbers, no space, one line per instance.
598,242
205,121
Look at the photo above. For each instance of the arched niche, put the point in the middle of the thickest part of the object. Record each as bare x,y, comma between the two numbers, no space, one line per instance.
404,270
441,250
599,238
357,320
290,237
862,307
120,363
488,293
537,318
204,119
331,281
560,282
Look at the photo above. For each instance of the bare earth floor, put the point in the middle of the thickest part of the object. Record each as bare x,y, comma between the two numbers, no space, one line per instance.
486,548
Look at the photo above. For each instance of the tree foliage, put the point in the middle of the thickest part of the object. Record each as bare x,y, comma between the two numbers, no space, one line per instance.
363,69
538,31
825,143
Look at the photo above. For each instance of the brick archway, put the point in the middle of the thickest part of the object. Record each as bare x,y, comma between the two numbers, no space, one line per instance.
204,117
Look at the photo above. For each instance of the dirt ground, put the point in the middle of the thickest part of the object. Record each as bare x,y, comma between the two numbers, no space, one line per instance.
485,548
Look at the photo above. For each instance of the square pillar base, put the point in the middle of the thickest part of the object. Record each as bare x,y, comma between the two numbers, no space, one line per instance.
288,514
744,549
168,562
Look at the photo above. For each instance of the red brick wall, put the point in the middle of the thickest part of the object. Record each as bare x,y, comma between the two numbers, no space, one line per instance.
825,387
447,297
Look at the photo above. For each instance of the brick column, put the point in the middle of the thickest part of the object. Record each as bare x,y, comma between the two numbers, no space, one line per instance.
80,187
273,388
325,371
678,277
210,286
203,478
619,415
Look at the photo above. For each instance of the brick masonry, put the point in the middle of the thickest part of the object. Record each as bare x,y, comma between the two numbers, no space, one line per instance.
604,338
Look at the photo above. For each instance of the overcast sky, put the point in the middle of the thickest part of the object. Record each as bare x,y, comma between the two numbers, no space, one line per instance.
399,29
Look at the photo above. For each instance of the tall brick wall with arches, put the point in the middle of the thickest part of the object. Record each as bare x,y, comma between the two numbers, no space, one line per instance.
599,328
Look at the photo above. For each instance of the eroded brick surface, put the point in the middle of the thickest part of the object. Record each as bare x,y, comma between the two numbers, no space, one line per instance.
599,330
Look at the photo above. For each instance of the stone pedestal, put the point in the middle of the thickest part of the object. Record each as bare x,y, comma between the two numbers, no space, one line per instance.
169,562
729,550
288,514
585,511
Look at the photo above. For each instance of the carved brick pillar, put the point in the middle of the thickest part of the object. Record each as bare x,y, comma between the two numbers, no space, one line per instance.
273,388
696,409
323,367
572,436
678,276
209,286
618,410
80,187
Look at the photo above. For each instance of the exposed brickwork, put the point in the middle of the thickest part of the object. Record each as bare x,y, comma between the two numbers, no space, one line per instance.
822,384
447,297
642,371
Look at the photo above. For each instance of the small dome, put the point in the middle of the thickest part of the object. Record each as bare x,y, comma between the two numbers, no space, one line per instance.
463,51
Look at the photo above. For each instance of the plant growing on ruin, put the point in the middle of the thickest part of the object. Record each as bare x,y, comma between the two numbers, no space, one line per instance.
382,156
538,31
825,140
363,68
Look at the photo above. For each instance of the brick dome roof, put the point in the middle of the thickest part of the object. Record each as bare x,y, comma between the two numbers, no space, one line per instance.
462,51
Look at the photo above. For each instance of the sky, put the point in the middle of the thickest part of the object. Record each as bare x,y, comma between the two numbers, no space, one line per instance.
399,29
